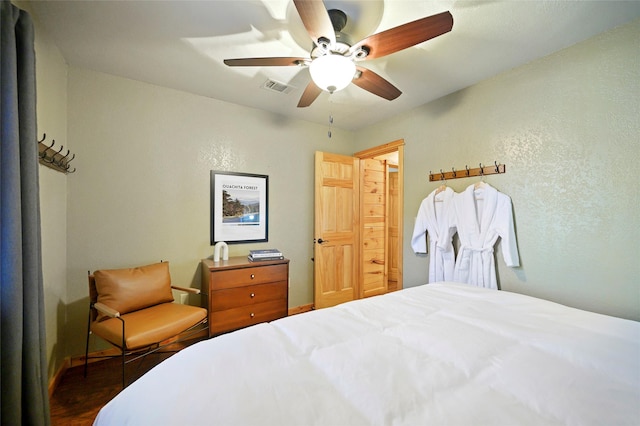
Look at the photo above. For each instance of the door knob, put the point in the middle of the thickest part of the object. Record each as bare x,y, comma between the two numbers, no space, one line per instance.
320,241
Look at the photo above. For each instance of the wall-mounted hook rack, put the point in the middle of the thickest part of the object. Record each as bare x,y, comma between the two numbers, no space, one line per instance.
54,157
467,172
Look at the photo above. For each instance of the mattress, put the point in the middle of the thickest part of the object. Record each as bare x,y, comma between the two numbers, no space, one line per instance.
441,354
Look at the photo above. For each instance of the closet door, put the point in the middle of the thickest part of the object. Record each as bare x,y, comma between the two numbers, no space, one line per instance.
393,231
374,202
336,248
392,155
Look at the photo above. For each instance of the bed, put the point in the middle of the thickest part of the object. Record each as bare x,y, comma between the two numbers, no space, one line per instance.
437,354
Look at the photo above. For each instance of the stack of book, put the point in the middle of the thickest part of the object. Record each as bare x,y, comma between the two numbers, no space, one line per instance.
265,254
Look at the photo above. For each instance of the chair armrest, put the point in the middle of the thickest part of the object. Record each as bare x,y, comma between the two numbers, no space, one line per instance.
187,289
104,309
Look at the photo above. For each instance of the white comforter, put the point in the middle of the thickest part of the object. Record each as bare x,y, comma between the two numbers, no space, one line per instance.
437,354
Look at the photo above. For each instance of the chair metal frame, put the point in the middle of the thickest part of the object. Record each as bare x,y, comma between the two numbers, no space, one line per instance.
94,307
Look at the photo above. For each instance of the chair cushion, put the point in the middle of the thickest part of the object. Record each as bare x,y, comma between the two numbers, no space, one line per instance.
128,290
149,326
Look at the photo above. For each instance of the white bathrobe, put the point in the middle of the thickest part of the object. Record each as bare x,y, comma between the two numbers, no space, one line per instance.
481,216
434,218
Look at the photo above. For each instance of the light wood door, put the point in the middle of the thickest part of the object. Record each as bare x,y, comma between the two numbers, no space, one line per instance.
392,154
374,205
336,248
393,233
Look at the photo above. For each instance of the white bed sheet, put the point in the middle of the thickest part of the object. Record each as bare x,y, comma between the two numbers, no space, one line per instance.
442,354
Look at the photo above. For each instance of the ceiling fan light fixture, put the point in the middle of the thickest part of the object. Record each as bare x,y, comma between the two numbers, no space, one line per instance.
332,72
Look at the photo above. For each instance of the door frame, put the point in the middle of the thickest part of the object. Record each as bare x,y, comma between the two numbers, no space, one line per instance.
378,151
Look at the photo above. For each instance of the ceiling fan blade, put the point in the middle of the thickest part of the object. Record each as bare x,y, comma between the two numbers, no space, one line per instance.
316,20
311,92
404,36
266,62
372,82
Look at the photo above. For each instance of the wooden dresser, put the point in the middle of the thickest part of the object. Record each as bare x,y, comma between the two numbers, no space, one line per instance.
242,293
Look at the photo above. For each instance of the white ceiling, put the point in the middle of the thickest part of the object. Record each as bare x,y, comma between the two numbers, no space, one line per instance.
181,45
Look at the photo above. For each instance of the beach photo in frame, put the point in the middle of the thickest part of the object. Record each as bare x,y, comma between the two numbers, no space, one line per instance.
239,207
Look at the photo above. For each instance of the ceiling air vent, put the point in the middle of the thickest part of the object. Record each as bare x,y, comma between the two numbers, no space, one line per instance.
277,87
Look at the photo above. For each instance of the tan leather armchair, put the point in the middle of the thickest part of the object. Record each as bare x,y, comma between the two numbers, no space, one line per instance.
133,310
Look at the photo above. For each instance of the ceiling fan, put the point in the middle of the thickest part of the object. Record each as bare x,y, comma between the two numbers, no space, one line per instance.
333,60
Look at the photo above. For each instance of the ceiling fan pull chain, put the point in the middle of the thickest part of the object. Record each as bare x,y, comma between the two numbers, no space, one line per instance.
330,118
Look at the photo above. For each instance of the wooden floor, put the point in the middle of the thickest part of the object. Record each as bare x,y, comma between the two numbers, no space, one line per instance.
77,400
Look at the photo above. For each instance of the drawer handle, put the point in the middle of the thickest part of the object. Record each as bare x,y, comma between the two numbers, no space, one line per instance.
252,315
252,276
253,295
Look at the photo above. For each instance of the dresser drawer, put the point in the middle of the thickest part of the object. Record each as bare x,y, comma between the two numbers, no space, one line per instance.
248,276
248,295
244,316
243,293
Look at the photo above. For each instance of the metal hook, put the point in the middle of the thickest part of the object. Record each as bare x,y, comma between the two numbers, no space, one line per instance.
46,157
466,166
62,162
441,175
44,136
53,157
497,168
70,159
454,172
43,155
481,170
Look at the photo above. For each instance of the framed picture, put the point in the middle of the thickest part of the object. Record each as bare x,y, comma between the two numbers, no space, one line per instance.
239,207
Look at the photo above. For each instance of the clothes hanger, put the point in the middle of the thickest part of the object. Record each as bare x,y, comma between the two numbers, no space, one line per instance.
481,184
442,187
478,188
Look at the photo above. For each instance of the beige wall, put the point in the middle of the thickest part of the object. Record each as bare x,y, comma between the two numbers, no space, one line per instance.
567,128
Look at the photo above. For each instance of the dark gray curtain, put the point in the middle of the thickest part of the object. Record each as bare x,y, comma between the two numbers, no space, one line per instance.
24,396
